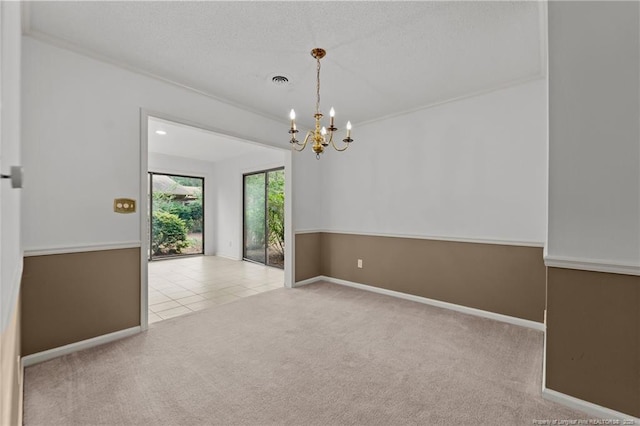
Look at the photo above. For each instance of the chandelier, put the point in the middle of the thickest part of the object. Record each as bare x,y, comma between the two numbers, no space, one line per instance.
321,137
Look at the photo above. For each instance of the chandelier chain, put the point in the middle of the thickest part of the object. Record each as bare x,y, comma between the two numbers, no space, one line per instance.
318,88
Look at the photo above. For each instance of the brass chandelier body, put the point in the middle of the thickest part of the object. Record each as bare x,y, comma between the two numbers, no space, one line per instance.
320,137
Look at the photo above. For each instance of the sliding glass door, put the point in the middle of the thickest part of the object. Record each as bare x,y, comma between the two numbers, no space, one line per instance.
176,219
255,224
264,217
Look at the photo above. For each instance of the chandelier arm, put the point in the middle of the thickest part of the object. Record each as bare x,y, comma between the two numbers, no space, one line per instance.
302,145
336,148
330,137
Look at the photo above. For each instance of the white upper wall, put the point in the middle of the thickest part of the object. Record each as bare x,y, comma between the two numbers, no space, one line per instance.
229,182
594,133
81,143
471,169
308,176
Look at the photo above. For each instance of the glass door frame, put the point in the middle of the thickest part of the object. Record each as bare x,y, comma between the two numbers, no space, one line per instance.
266,216
150,256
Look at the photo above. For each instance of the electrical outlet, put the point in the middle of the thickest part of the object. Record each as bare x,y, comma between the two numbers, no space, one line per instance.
360,263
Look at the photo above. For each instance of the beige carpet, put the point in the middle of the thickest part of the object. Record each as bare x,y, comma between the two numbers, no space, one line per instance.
318,355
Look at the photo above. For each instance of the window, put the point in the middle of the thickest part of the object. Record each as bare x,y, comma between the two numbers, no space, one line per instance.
176,222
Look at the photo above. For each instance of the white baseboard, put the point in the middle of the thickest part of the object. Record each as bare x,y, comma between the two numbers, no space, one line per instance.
227,256
589,408
309,281
78,346
446,305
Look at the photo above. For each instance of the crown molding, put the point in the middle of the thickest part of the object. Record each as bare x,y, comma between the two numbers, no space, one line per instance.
66,45
515,83
89,53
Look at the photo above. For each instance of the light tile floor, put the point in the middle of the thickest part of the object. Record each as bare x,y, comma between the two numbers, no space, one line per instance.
180,286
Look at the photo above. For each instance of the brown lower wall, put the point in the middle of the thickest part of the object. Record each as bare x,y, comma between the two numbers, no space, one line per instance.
508,280
593,337
67,298
307,256
10,389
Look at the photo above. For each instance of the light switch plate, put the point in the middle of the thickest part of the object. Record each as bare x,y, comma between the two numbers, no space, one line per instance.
124,205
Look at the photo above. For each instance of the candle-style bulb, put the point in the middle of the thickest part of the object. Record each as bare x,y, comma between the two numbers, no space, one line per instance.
292,116
323,131
348,129
332,112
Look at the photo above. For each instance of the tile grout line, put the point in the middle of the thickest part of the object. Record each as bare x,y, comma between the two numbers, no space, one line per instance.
244,280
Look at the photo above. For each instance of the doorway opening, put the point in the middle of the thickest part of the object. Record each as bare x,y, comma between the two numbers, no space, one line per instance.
185,153
176,215
263,217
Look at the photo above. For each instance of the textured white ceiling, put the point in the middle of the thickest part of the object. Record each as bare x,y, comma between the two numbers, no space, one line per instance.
383,58
198,144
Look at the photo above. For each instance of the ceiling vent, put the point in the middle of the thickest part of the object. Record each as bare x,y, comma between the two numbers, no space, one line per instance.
280,80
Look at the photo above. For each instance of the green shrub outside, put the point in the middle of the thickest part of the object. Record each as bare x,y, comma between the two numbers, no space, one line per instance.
190,212
275,210
169,233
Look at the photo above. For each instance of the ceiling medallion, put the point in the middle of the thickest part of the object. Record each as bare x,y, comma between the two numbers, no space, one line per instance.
319,135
